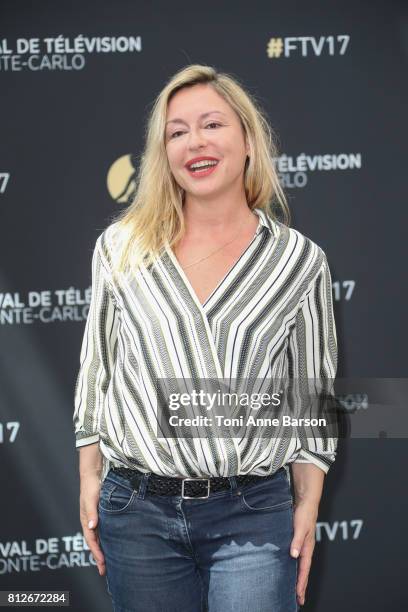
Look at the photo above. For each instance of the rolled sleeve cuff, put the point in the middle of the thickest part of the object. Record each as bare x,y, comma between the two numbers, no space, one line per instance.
323,461
83,439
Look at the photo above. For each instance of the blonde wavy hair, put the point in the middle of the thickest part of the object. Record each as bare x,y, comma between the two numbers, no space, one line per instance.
155,215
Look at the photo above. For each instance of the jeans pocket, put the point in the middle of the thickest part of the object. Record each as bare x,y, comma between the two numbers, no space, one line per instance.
269,496
115,497
107,585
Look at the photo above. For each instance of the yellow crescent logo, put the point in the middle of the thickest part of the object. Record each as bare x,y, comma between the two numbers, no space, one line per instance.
121,179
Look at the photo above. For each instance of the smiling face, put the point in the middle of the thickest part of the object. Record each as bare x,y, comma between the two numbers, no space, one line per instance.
201,124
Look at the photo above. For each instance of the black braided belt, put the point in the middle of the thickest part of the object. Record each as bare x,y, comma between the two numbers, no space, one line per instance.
186,487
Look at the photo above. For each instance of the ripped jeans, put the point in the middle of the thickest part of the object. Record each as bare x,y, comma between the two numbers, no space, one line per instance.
229,552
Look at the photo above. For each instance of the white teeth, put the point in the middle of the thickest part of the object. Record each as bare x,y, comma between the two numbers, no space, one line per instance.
203,164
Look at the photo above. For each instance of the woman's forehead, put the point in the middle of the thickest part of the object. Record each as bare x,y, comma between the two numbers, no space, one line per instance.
197,99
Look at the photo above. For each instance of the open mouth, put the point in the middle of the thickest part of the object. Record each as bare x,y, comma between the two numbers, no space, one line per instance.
202,168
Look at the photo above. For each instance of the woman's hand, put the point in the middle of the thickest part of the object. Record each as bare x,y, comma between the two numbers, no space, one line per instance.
304,524
88,510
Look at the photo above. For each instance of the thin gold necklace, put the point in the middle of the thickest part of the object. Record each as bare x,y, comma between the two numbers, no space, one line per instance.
216,251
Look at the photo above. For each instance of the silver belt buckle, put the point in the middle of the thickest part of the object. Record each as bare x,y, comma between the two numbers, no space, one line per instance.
195,496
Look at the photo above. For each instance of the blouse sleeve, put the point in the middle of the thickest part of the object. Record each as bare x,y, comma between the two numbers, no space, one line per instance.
313,365
97,355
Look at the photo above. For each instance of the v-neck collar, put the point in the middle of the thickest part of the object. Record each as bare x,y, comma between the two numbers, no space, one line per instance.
265,221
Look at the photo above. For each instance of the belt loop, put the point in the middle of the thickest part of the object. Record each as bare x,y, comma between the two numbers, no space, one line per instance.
233,484
143,486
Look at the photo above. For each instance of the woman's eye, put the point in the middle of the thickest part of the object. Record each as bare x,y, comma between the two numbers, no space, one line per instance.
174,135
179,132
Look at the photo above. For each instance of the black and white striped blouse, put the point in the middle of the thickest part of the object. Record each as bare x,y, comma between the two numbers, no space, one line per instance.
270,316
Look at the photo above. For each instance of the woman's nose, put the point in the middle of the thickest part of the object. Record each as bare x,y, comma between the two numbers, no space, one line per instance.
196,139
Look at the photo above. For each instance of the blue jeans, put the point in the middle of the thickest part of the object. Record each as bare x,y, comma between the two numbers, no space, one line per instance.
229,552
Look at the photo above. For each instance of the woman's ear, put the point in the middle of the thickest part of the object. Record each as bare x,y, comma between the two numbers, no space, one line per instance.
247,147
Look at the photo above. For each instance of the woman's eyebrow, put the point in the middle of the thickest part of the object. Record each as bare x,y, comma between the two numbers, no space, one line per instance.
200,117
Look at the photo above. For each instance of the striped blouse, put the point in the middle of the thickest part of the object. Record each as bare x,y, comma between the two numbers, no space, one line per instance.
270,316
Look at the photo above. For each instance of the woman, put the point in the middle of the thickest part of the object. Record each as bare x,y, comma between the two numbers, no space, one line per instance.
198,279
